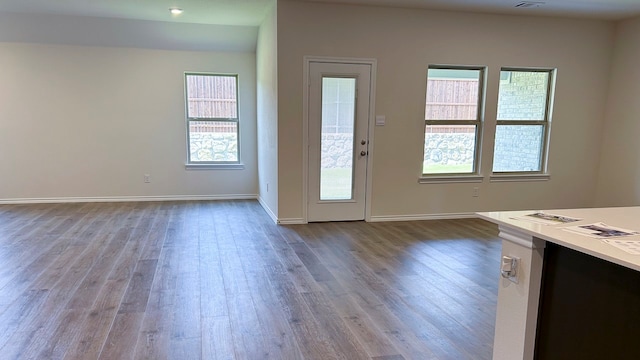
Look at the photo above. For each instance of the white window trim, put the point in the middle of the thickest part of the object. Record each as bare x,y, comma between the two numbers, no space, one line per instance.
537,175
475,176
435,179
208,166
518,177
212,165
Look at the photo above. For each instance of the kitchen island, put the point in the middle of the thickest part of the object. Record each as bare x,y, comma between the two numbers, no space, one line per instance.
570,296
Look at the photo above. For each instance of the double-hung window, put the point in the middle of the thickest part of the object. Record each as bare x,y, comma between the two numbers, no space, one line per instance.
522,131
212,118
453,120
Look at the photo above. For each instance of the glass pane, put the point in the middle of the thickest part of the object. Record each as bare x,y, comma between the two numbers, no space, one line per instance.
518,148
449,149
211,96
452,94
522,95
213,141
338,118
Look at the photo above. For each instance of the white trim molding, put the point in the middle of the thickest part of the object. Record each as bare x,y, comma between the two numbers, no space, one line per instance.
308,59
418,217
451,179
291,221
519,237
268,210
214,166
519,177
53,200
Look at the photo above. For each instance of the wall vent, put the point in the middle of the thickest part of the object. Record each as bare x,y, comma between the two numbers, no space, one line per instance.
529,4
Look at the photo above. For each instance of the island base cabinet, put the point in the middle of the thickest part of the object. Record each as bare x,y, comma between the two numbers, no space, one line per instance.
589,308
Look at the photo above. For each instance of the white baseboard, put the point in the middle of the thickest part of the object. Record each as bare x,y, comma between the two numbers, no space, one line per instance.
291,221
267,209
422,217
127,199
284,221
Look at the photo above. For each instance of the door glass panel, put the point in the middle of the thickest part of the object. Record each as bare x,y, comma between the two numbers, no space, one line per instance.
337,143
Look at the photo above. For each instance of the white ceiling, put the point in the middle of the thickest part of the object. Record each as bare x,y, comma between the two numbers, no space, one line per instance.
219,12
221,25
251,12
600,9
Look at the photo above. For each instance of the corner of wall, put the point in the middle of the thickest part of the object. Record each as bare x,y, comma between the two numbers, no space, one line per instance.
618,180
267,112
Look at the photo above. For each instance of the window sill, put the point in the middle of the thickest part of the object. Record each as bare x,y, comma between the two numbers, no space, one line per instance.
214,166
519,177
447,179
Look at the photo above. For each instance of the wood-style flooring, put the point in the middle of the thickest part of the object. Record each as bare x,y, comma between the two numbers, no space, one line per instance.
219,280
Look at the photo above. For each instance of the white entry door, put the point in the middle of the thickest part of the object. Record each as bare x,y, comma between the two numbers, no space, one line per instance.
338,105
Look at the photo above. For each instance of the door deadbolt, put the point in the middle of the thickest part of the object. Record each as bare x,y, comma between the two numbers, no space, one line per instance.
363,153
363,142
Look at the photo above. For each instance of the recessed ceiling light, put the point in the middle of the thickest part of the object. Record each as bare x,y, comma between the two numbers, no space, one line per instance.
175,11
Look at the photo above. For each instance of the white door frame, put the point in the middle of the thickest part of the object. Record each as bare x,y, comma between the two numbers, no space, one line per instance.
305,128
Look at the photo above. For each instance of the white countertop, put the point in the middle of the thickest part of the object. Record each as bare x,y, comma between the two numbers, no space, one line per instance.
622,217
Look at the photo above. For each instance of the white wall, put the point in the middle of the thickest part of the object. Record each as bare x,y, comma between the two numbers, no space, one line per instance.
95,31
405,42
81,121
619,178
267,93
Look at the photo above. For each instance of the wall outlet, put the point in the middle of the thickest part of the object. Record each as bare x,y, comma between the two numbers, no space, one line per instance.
147,178
476,192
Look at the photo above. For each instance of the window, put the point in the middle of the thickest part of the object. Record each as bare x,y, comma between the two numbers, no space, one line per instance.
453,120
522,130
212,118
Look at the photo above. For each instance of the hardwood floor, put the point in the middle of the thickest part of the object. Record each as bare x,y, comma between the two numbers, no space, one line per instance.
218,280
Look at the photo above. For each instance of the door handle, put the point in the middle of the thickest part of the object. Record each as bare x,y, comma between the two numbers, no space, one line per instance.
363,153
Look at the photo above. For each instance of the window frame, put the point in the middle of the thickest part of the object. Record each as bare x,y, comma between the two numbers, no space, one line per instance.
474,175
237,164
543,173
